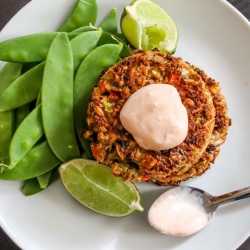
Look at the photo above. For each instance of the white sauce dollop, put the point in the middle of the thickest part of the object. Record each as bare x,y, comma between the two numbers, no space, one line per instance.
178,212
156,117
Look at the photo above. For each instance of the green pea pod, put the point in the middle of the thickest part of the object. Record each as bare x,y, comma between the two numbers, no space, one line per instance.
82,29
27,86
29,132
48,178
57,100
28,48
107,38
122,37
6,131
83,13
20,113
23,90
109,23
39,160
54,176
32,186
86,78
82,44
8,74
43,179
28,66
38,99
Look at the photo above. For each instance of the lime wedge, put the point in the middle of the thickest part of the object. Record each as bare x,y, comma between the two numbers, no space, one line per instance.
94,186
147,26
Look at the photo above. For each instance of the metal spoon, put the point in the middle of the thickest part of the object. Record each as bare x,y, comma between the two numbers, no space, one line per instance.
183,211
211,203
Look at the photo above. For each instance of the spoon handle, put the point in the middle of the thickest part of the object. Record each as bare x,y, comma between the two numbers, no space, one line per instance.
230,197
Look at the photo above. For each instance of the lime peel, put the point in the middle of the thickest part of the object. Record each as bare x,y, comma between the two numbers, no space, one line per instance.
147,26
94,186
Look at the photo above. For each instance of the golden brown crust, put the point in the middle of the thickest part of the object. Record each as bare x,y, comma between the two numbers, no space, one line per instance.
222,122
112,145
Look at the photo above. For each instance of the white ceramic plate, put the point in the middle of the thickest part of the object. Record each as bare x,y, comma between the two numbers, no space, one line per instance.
214,36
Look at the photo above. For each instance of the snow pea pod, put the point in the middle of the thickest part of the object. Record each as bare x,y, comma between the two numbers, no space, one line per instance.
109,38
48,178
23,90
33,186
6,131
83,13
27,86
82,29
29,132
109,23
38,99
57,99
82,44
28,48
44,179
86,78
39,160
54,175
20,113
28,66
8,74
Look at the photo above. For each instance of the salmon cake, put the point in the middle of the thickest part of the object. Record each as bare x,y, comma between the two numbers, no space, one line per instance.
219,134
112,145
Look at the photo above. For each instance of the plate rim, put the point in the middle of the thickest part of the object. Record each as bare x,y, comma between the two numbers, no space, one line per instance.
230,6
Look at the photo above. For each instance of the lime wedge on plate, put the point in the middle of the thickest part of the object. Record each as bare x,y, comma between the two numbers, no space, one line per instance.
94,186
147,26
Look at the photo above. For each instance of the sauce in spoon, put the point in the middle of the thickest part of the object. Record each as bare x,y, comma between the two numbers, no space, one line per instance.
183,211
178,212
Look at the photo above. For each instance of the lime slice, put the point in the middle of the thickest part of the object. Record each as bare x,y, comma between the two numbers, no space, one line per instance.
94,186
147,26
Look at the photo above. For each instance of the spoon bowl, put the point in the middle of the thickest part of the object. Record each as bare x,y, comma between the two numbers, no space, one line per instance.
183,211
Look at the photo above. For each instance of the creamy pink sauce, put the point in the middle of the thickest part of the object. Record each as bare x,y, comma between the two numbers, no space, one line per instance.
178,214
156,117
